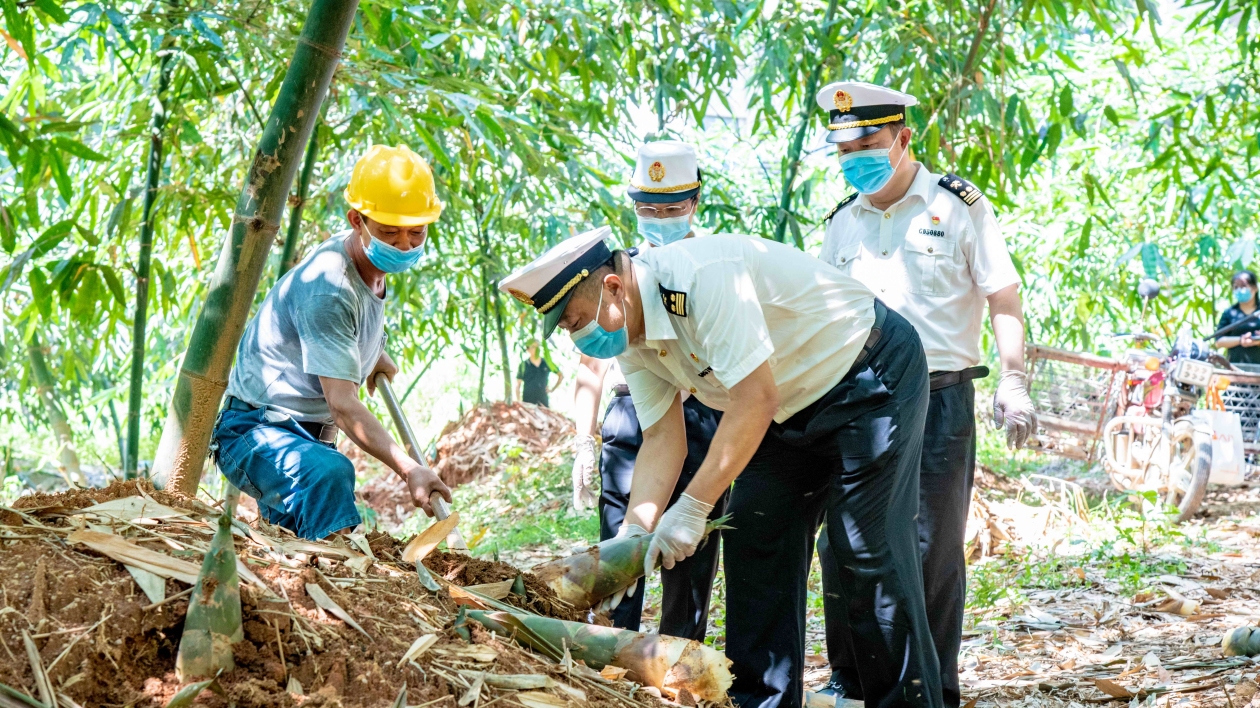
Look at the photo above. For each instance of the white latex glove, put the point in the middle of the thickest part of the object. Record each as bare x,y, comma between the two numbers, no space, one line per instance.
584,464
1013,408
679,532
610,603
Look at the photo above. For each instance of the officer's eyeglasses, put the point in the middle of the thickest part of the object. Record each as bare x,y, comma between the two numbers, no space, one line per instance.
663,212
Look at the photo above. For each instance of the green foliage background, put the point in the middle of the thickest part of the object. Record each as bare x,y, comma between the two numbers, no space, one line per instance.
1116,138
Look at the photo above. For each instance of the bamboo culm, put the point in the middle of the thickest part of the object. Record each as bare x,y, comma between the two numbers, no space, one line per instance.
135,398
212,346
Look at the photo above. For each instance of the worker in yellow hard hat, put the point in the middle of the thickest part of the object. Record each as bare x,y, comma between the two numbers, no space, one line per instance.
317,338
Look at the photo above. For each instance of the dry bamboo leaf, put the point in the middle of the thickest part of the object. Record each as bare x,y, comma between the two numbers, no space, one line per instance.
42,683
539,699
131,508
474,652
321,598
1217,593
474,691
463,597
427,540
494,591
573,692
418,648
1111,688
128,553
612,673
518,682
153,585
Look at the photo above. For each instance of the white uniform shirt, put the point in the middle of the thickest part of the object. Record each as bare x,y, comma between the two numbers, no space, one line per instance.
746,301
931,258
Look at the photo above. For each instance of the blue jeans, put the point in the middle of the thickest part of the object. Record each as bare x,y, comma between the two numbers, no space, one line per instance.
300,483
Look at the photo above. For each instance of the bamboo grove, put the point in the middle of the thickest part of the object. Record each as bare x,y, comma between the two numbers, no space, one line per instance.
1114,140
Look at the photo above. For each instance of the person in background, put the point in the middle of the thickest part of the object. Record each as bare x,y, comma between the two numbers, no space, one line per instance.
1241,345
665,188
531,377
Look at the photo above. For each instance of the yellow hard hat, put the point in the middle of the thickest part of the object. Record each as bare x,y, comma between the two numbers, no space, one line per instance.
394,186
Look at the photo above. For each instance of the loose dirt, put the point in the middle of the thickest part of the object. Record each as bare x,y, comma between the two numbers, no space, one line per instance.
102,642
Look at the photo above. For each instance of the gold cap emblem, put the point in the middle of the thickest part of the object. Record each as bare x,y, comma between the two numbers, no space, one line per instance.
656,171
843,101
519,295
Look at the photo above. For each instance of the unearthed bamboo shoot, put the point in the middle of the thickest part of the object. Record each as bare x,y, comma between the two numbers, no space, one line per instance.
651,659
214,612
583,579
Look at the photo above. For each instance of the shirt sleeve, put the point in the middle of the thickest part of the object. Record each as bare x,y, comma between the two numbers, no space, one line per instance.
728,320
651,394
327,330
1225,320
991,266
520,371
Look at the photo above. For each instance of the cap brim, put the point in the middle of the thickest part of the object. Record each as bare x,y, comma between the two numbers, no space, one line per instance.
661,197
845,135
552,318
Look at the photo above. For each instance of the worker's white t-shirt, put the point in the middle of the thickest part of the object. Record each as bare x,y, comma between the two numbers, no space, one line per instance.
716,308
931,257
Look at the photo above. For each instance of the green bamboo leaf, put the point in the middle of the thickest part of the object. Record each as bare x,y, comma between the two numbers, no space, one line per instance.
53,10
78,149
114,284
1110,113
199,24
186,695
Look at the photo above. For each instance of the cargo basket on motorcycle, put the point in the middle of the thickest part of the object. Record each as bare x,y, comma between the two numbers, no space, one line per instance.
1243,398
1075,394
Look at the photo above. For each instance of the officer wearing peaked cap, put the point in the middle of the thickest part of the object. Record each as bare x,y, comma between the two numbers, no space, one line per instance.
823,391
929,246
665,188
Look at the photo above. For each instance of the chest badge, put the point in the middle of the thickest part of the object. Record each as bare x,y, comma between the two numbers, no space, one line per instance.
675,302
936,221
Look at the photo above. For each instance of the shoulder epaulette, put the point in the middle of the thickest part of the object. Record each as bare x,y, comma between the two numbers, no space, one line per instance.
843,203
961,188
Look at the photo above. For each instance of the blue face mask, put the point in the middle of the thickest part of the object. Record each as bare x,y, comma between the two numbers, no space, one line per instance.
660,232
389,259
869,170
1242,295
595,341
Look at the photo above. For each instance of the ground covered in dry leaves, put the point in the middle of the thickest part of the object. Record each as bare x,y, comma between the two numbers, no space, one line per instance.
79,617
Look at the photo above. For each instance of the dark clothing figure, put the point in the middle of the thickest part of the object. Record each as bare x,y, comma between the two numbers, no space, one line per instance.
1241,354
945,480
687,586
534,378
851,457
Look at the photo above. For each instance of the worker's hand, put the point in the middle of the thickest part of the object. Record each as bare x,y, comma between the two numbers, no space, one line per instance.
1248,341
384,365
423,483
611,602
584,464
1013,408
679,532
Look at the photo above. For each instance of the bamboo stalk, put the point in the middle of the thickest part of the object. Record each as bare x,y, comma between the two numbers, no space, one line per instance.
798,140
135,397
288,257
57,420
212,345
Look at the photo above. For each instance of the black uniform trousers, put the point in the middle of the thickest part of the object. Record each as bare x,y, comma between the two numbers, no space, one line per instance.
853,457
945,480
687,586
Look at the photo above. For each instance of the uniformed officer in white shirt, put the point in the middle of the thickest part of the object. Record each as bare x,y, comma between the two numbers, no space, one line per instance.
823,391
665,186
929,246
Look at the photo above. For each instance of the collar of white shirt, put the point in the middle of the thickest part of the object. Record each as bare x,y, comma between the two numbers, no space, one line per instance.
656,323
921,187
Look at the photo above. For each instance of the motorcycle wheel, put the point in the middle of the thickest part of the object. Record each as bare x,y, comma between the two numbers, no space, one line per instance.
1187,478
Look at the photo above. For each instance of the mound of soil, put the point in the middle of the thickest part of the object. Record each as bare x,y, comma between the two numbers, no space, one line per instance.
101,641
473,446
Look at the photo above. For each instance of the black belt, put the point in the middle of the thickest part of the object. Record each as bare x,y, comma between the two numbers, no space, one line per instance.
621,390
877,330
323,432
945,379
